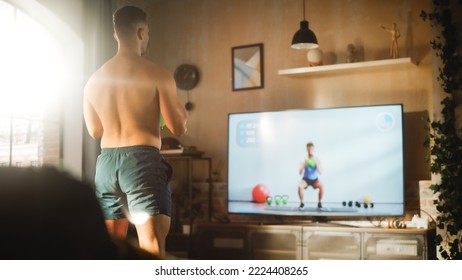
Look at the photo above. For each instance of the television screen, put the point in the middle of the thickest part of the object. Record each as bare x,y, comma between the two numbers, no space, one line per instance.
317,162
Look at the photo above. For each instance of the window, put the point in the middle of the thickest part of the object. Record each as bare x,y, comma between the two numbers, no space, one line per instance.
30,83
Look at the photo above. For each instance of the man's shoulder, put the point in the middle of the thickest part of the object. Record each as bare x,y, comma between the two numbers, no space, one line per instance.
100,71
94,79
155,68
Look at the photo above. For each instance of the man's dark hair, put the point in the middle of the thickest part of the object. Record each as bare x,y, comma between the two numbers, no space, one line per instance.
126,20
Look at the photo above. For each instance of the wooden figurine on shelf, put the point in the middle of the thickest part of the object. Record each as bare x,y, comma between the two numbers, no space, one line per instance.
395,34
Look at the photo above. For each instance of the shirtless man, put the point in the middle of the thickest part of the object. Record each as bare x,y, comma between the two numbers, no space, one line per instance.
123,103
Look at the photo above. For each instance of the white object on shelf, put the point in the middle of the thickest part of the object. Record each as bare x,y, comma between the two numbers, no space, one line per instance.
178,151
330,69
314,57
417,222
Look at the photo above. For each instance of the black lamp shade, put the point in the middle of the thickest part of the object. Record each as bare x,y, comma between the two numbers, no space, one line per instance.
304,38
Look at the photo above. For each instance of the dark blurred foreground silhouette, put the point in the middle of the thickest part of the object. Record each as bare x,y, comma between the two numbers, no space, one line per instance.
46,214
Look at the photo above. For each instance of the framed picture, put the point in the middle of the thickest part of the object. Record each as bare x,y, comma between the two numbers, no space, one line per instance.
247,67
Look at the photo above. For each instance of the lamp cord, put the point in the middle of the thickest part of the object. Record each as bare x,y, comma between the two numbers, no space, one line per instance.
304,10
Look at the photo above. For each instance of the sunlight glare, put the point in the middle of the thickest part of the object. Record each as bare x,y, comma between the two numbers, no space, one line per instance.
139,218
31,67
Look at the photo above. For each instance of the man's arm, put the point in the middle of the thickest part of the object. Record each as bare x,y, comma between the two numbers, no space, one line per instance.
92,121
302,168
318,166
171,108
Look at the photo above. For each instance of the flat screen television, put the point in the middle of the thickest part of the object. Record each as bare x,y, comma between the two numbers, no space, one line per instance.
358,157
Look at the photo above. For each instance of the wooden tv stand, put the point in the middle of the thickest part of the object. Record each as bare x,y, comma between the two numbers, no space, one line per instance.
302,242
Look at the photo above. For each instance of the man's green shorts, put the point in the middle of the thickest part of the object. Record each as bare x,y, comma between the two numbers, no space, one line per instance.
132,180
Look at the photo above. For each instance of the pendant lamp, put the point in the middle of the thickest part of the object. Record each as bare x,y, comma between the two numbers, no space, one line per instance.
304,38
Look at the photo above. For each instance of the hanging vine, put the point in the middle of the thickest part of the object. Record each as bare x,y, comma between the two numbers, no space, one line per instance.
444,143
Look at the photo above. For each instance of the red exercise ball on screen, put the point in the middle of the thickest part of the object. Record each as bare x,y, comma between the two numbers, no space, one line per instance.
260,192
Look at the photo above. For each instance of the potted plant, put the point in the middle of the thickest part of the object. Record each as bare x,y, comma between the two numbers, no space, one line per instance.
445,137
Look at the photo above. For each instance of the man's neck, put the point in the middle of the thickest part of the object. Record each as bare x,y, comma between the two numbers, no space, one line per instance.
127,50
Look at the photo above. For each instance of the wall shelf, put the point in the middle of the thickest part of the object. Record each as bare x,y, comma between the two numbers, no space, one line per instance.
347,67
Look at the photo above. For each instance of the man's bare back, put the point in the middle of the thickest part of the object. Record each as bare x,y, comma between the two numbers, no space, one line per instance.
126,95
123,102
